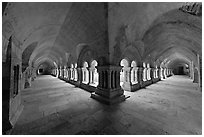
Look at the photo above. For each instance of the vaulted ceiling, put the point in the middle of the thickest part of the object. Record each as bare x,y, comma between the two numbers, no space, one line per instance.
58,28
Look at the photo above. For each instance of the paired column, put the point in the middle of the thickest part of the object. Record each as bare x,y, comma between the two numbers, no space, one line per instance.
108,89
149,73
134,75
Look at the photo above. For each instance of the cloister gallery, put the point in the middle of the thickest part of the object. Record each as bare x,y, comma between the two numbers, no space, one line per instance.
102,68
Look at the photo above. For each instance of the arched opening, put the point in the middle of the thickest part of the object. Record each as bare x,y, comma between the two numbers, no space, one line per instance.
85,73
65,72
44,68
123,73
181,69
72,72
134,71
40,71
148,72
144,72
155,72
94,74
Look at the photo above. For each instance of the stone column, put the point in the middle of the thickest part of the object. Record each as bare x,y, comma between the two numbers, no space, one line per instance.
75,74
191,70
91,75
108,90
164,73
127,79
161,73
144,74
152,73
140,75
134,75
79,76
149,74
60,72
69,74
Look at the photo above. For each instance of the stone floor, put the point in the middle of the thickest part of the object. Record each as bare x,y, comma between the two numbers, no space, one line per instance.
52,106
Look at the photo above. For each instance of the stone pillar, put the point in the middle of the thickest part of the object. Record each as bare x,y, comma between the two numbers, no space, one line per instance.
134,75
192,70
91,75
149,74
79,76
164,73
140,75
168,72
57,72
152,73
108,90
75,74
161,73
127,79
144,74
69,74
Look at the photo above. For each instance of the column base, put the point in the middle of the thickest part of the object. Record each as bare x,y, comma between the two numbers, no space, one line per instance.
135,87
109,101
109,96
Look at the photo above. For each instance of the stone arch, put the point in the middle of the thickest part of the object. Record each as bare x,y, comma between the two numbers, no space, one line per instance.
26,55
86,54
170,31
130,53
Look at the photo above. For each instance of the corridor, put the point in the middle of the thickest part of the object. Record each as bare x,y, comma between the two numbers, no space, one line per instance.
52,106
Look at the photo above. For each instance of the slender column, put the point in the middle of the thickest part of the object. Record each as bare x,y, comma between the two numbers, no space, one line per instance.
134,75
69,73
108,89
144,74
149,74
89,78
91,75
164,73
161,73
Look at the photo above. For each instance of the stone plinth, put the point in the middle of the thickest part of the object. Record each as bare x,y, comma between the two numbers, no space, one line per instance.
109,90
